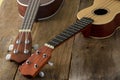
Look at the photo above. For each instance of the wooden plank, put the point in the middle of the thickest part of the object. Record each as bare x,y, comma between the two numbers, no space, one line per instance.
9,24
95,59
45,30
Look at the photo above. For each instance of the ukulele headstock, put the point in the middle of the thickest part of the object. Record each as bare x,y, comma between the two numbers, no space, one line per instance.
33,64
22,47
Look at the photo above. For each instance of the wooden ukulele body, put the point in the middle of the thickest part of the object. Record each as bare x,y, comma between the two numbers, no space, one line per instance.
47,8
106,16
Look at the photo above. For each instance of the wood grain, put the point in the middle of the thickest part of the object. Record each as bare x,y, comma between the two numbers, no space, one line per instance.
78,58
9,24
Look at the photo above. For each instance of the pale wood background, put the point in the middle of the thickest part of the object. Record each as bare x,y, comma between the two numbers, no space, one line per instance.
78,58
1,2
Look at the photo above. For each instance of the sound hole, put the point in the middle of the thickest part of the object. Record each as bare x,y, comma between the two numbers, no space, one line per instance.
100,11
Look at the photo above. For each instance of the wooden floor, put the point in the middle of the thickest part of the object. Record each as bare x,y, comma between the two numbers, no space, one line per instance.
78,58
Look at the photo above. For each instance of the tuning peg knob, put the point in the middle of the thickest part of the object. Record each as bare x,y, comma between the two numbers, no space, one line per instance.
41,74
35,46
8,57
50,63
10,47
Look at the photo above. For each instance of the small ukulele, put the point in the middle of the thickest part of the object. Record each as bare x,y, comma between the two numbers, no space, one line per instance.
99,21
22,47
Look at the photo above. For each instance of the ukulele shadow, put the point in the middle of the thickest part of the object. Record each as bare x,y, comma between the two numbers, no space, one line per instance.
49,74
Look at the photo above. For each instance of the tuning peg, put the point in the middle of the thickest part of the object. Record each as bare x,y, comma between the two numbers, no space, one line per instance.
50,63
8,57
18,41
41,74
10,47
35,46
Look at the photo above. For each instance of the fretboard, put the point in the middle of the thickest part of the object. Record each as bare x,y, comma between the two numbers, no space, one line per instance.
30,14
70,31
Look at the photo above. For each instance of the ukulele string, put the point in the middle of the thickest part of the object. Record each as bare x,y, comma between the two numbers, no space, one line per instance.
30,23
32,18
27,28
26,18
35,12
24,23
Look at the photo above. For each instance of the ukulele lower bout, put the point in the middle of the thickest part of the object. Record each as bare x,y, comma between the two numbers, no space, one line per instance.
47,9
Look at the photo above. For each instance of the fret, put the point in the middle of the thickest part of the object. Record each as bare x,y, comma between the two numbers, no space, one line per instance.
77,29
85,22
56,40
70,31
78,26
55,43
65,35
51,43
82,24
60,37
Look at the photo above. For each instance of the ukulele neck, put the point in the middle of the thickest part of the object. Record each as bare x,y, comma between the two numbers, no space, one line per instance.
30,14
69,32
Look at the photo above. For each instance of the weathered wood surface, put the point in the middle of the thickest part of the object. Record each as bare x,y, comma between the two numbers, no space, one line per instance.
78,58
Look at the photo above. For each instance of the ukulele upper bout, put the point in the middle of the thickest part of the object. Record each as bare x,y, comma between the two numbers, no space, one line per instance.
102,11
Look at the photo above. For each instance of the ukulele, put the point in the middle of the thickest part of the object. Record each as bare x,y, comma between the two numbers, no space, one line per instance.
47,8
21,50
99,21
